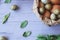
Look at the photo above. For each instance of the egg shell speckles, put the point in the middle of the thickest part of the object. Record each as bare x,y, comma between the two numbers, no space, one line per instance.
55,7
48,6
42,10
53,16
46,14
55,1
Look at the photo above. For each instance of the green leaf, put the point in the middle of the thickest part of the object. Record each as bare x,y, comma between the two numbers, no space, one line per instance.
27,33
24,24
5,18
58,37
52,37
7,1
41,37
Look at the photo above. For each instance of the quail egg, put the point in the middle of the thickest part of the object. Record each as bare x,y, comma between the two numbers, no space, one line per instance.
41,10
14,7
53,16
45,1
3,38
48,6
56,11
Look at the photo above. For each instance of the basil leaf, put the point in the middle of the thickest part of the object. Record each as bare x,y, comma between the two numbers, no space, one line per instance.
24,24
41,37
27,33
5,18
7,1
58,37
52,37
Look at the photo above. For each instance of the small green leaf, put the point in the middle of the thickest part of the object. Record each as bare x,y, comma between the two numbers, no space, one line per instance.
7,1
41,37
27,33
52,37
58,37
24,24
5,18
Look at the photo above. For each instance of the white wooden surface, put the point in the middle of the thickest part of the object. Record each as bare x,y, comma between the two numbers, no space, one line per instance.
12,28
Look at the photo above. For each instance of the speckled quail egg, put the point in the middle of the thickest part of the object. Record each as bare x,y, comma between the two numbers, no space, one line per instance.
48,6
45,1
14,7
41,10
56,11
53,16
3,38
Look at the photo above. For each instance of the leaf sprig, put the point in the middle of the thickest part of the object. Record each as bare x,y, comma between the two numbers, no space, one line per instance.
27,33
24,24
48,37
8,1
5,18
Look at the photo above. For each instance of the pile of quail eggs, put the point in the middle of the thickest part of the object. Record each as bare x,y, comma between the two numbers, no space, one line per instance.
50,9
